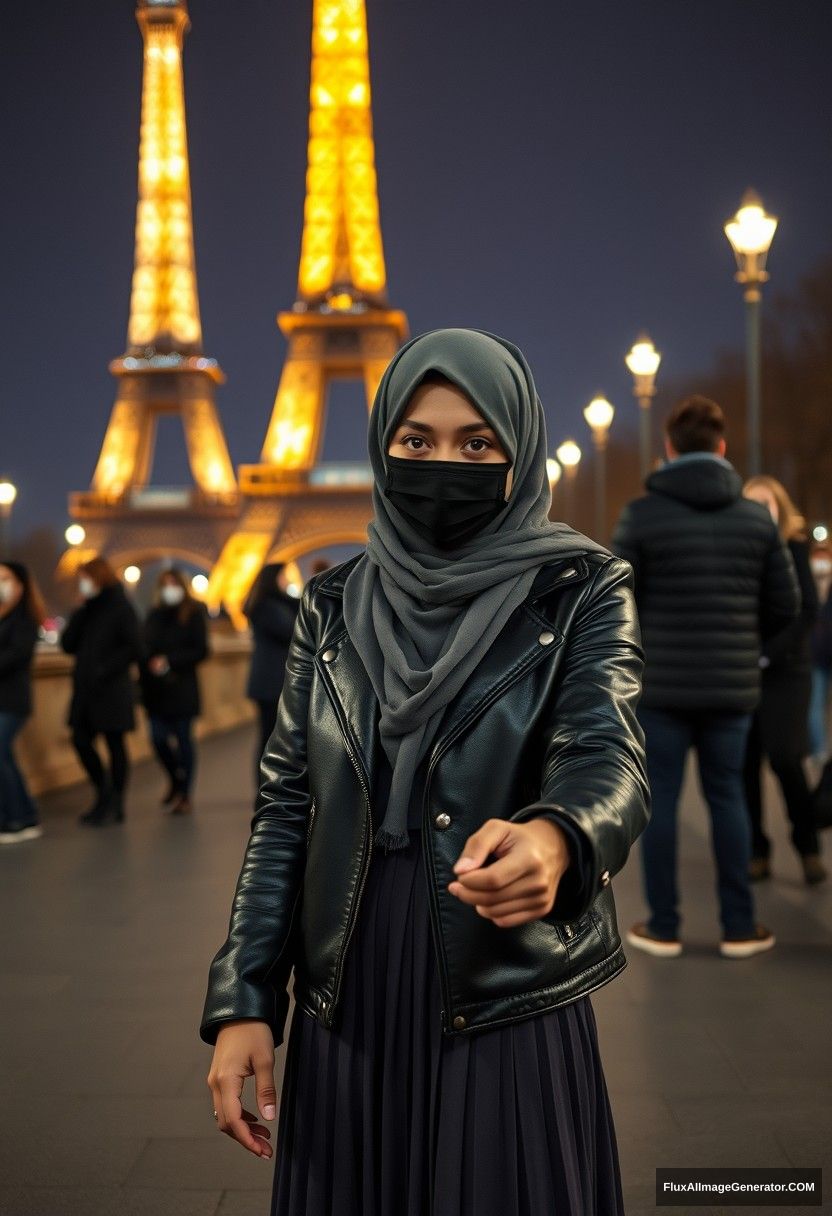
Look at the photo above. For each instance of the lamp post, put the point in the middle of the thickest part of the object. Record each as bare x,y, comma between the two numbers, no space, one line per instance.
643,362
750,233
8,493
599,415
569,457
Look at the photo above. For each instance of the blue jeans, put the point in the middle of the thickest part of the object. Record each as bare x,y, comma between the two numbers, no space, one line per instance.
173,744
16,805
818,738
720,742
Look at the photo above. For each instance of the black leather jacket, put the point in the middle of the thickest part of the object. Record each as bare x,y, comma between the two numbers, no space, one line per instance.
545,726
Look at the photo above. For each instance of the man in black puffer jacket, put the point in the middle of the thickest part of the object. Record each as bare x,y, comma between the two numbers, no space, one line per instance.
713,580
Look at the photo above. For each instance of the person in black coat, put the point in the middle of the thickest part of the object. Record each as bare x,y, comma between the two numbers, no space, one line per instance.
712,577
271,613
175,642
780,726
21,612
103,634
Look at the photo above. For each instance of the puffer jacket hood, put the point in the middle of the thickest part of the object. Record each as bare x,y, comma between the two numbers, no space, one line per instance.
705,483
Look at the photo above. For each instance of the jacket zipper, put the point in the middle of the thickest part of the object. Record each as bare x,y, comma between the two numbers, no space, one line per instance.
365,859
312,810
438,945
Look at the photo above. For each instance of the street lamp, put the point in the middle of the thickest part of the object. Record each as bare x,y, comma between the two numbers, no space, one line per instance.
553,472
643,362
569,457
8,493
751,232
599,415
132,575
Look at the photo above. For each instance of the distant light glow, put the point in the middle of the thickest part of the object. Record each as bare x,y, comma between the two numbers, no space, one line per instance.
132,574
599,413
75,534
820,533
199,584
569,454
8,493
643,359
553,471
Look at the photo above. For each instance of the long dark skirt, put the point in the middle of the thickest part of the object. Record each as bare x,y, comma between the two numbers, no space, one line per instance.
381,1116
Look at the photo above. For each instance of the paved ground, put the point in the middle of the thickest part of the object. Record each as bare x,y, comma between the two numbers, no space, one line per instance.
107,937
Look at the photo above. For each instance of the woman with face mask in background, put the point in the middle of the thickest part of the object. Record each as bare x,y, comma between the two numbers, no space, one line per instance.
21,613
779,729
175,642
455,774
103,635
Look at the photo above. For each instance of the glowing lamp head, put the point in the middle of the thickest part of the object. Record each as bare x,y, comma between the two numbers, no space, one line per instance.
569,454
8,493
643,359
75,534
599,414
132,574
553,471
751,231
199,584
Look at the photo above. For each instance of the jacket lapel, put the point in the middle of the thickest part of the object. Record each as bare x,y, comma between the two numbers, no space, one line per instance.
526,639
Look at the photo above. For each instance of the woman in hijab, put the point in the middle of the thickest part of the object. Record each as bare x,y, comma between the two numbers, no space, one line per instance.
477,670
271,613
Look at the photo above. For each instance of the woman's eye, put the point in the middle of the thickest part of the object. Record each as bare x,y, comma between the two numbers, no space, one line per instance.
478,439
416,439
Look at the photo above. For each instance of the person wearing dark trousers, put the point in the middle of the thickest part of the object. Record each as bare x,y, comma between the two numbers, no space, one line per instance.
175,640
103,635
712,578
780,726
21,613
271,613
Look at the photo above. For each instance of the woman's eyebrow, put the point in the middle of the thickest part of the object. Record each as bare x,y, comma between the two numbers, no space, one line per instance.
424,426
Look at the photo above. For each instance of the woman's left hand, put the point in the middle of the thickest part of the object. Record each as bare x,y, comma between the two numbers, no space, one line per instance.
522,883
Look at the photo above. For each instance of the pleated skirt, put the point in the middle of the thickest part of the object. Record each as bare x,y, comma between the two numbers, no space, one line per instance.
382,1116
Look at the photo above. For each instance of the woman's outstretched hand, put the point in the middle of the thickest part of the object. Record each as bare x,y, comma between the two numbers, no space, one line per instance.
243,1049
522,883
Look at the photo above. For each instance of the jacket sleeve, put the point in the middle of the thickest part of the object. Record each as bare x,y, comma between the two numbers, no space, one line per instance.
73,630
625,543
249,974
16,655
779,593
594,779
781,645
127,647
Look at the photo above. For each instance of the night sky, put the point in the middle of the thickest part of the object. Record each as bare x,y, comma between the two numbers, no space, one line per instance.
557,173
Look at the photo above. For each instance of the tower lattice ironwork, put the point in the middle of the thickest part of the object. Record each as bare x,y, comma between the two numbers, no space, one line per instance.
164,370
340,327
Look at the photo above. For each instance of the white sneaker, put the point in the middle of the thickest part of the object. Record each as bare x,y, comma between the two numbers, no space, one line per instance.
15,835
762,939
660,947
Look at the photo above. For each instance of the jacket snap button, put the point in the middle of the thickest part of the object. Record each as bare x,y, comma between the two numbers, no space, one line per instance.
605,878
443,820
459,1023
328,655
546,638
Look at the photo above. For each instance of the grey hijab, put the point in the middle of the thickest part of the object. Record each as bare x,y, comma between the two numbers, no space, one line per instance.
422,619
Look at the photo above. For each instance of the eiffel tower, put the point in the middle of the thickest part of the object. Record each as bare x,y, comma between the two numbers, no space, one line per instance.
164,370
340,327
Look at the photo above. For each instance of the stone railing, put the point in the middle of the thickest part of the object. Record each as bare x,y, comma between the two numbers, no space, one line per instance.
45,747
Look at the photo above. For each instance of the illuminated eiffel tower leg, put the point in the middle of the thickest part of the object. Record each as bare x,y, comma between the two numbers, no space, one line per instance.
341,326
163,371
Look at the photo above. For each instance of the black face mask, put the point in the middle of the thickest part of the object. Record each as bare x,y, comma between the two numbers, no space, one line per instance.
446,501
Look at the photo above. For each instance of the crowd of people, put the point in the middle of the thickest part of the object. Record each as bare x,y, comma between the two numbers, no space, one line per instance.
120,661
729,611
